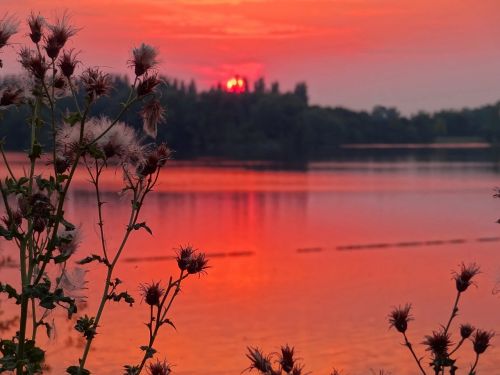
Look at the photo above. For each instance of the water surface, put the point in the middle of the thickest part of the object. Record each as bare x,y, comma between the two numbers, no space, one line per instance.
315,258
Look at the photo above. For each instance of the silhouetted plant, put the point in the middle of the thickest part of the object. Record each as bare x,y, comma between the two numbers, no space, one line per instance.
35,220
285,361
439,344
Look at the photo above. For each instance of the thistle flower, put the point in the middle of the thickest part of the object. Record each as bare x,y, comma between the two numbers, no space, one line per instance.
11,96
481,340
69,239
259,361
286,359
399,318
143,59
463,279
8,27
41,206
159,368
184,257
39,224
67,63
191,261
36,24
197,264
61,87
34,63
149,165
96,83
163,153
152,293
74,282
466,330
120,142
152,114
438,343
60,33
147,84
62,164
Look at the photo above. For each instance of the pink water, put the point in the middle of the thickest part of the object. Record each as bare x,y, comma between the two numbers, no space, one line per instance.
315,259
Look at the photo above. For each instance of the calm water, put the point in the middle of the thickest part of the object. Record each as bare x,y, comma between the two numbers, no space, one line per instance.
314,258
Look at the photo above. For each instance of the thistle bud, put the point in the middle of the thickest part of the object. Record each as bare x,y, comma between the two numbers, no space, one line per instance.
259,361
149,165
143,59
152,114
286,360
61,164
438,343
184,257
163,153
198,264
147,85
463,279
152,293
399,318
67,63
36,24
159,368
39,224
60,33
8,27
481,340
96,83
33,63
466,330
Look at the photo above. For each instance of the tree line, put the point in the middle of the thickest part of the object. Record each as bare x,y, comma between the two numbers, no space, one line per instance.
266,123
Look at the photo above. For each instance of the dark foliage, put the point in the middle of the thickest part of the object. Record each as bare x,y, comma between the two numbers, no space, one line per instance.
267,124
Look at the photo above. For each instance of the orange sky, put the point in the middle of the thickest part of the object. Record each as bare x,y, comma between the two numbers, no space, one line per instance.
413,54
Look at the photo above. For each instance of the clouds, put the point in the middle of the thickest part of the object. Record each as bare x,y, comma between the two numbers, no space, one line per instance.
415,53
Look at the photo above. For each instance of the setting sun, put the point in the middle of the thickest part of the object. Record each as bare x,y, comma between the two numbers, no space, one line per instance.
236,84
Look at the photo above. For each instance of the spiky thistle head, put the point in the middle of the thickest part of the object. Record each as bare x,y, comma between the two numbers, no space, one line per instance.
34,63
481,340
147,84
259,361
67,63
96,83
8,27
152,114
463,278
466,330
286,358
159,368
60,32
152,293
438,343
144,58
399,317
36,24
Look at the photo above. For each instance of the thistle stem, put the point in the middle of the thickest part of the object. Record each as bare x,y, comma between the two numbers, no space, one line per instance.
140,193
473,368
453,313
409,346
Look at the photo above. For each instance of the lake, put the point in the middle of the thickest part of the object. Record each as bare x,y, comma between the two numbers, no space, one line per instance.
314,256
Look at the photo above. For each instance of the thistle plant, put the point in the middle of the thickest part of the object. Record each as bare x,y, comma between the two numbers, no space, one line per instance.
280,363
440,344
42,237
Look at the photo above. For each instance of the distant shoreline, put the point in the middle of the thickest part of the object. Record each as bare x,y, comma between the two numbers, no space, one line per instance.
415,146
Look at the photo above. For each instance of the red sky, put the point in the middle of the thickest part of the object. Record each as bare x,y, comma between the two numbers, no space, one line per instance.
413,54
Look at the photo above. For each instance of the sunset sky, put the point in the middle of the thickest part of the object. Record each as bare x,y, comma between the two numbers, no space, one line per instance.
413,54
